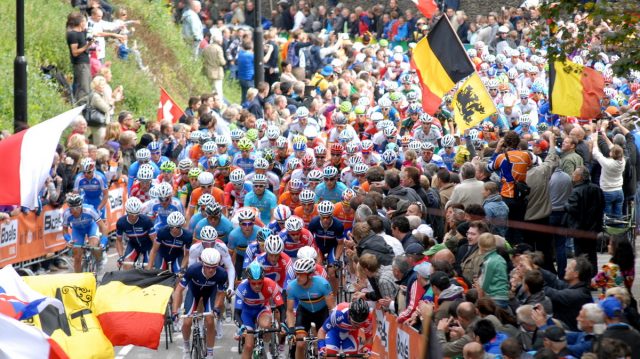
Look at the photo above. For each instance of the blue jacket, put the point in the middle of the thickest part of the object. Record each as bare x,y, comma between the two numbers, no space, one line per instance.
245,65
579,343
497,213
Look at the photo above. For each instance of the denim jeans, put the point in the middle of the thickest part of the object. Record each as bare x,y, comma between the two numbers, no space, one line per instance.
613,203
245,85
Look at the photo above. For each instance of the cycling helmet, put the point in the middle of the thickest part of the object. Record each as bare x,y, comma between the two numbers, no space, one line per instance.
237,176
307,252
164,190
74,200
307,196
259,178
195,136
293,164
542,127
348,194
414,108
281,142
193,173
487,126
254,271
281,213
389,157
315,175
448,141
364,101
302,112
354,160
261,164
491,72
472,53
252,134
320,151
395,96
153,192
268,154
263,234
246,214
501,59
133,205
329,172
168,166
209,147
185,164
474,134
205,178
210,256
206,199
390,132
392,146
208,234
273,244
358,311
273,132
205,137
360,110
299,146
325,208
87,164
512,74
339,119
367,146
293,224
406,78
404,140
304,265
222,140
384,102
145,172
213,209
412,97
143,154
154,146
345,136
428,146
524,92
308,161
237,134
352,147
175,219
345,107
360,168
336,149
415,145
245,144
261,124
296,185
426,118
224,160
376,117
484,66
493,84
524,119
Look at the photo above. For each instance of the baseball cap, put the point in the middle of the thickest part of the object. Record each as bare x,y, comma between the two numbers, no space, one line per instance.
440,280
555,334
542,144
414,248
327,71
611,307
423,269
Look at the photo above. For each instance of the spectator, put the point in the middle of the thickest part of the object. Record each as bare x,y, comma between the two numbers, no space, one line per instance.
469,191
555,340
611,178
380,279
446,292
497,212
79,46
493,281
192,29
560,188
569,159
468,258
214,62
616,329
401,230
369,242
591,324
620,271
461,330
245,68
99,103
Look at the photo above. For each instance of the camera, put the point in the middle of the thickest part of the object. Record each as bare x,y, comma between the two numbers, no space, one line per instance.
142,121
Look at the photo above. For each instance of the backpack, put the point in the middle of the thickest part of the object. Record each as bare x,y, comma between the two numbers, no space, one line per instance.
292,54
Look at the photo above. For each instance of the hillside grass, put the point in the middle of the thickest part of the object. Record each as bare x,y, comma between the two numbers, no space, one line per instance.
158,39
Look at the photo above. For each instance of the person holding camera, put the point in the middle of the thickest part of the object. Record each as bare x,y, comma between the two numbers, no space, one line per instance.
79,44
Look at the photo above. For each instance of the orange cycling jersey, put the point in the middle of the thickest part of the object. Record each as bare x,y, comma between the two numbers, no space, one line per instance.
195,153
299,211
512,170
346,218
286,199
216,192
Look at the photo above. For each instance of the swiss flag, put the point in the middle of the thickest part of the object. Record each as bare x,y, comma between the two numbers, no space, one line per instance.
427,7
167,108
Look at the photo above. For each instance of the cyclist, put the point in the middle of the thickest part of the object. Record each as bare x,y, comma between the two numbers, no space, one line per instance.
312,253
448,151
314,299
172,245
92,186
261,198
213,217
142,185
84,222
245,158
241,236
308,208
209,149
295,236
205,179
331,189
205,200
343,211
276,265
221,167
328,232
168,169
291,198
236,189
139,231
156,154
280,216
253,298
256,247
314,179
158,209
143,156
181,178
261,166
184,193
204,281
340,331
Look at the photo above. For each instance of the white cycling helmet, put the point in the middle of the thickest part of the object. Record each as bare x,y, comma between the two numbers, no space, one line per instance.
448,141
273,132
259,178
389,157
223,141
205,178
273,244
209,146
206,199
325,208
210,257
304,265
360,168
185,164
377,117
133,205
329,172
145,172
282,212
246,214
294,224
164,190
143,154
307,196
315,175
307,252
302,112
237,176
208,234
175,219
260,164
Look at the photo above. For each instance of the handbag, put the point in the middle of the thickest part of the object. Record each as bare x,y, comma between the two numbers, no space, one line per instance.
521,190
93,116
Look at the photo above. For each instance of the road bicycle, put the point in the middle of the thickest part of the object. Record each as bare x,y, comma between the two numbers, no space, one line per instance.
198,348
259,350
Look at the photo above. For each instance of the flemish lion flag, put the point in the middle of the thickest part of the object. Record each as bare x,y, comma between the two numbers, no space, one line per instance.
575,90
168,109
440,61
131,305
472,103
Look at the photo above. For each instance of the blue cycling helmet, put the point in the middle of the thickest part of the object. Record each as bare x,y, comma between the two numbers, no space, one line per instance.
299,146
491,72
224,160
154,146
254,271
263,234
393,147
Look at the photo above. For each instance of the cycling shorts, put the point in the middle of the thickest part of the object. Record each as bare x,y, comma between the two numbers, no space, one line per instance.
304,318
78,235
250,316
191,302
338,339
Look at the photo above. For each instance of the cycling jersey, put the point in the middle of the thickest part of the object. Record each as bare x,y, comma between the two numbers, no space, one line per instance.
265,203
333,195
313,298
159,212
225,259
172,248
200,287
291,247
252,251
138,235
327,239
216,192
275,227
299,211
238,242
344,217
272,180
245,163
280,272
287,200
91,190
234,198
223,228
193,222
136,191
133,172
447,158
184,193
252,305
85,225
341,333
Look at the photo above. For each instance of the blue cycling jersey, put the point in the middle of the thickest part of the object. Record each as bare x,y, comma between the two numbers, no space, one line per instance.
91,189
313,298
84,221
245,163
326,239
275,227
157,210
137,233
333,195
223,228
133,173
172,247
265,204
195,280
195,219
252,251
447,158
239,242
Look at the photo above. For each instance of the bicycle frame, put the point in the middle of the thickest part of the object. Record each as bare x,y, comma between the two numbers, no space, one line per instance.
198,337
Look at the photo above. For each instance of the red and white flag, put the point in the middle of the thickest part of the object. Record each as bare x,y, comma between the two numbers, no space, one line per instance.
27,157
21,341
427,7
167,108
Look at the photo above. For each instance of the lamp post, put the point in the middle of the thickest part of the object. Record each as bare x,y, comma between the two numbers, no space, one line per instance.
258,45
19,71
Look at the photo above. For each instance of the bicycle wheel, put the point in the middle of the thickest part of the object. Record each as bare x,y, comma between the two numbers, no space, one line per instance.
240,344
196,347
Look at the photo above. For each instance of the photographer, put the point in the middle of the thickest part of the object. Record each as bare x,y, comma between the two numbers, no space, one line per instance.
79,50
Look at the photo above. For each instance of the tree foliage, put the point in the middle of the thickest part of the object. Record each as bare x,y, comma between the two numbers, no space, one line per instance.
608,26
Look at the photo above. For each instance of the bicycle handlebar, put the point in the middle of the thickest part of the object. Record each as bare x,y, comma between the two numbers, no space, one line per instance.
198,315
86,246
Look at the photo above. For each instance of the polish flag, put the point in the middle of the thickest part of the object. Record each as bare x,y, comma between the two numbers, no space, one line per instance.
27,157
19,340
167,108
427,7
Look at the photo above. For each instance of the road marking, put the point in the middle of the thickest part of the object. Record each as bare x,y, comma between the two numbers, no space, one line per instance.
112,255
234,349
124,351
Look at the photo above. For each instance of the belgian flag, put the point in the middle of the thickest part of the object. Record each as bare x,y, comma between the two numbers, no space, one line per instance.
575,90
440,62
131,305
